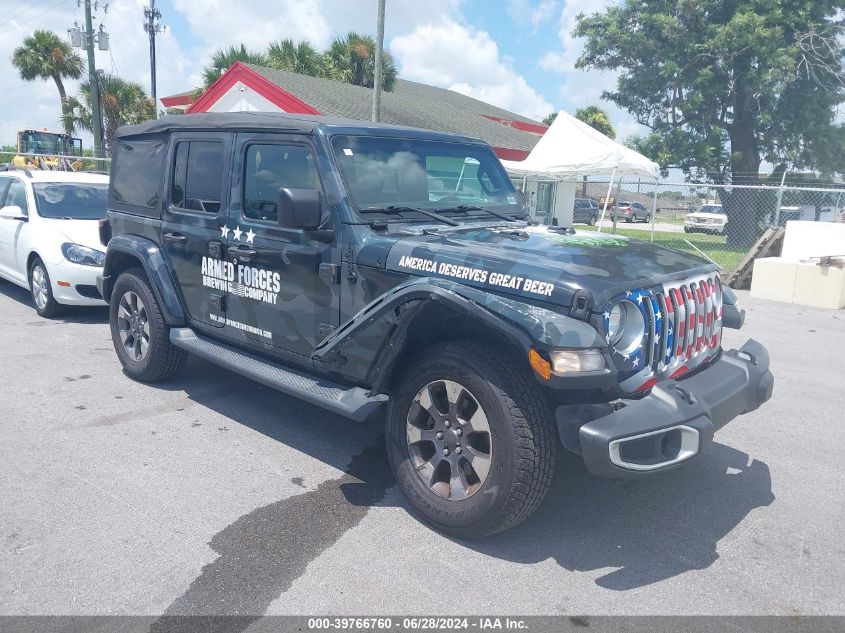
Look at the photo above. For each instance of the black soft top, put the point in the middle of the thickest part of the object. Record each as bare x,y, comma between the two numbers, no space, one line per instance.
305,123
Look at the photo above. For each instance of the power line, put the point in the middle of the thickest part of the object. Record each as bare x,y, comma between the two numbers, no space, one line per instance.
21,10
38,15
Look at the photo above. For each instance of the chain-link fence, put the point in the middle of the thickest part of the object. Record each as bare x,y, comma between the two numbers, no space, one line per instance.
720,222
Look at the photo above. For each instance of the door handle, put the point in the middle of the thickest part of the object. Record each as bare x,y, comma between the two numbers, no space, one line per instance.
176,238
244,252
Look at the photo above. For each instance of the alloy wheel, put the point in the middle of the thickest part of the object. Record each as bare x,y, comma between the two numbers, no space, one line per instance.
40,291
449,439
133,326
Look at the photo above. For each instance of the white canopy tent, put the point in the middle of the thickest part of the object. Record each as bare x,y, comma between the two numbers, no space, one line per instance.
570,149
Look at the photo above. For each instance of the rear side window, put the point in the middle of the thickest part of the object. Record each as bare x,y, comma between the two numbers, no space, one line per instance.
197,183
137,173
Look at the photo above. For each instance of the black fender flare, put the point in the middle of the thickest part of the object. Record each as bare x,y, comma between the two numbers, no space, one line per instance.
388,318
148,254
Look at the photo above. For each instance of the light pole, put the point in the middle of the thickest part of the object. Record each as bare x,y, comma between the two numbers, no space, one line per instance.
379,56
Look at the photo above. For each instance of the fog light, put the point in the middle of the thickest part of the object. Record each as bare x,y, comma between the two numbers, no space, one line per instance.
568,361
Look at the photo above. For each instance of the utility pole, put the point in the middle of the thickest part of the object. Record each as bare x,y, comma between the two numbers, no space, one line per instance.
379,55
152,26
93,82
86,39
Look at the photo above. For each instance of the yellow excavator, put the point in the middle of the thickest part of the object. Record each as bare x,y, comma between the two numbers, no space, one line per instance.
53,151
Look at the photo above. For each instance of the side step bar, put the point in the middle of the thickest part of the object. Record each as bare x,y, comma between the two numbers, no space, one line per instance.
352,402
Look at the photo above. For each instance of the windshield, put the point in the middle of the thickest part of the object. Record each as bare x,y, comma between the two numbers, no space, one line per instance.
71,200
450,178
710,208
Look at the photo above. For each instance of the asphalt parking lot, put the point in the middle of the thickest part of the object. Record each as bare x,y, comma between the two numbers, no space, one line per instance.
212,494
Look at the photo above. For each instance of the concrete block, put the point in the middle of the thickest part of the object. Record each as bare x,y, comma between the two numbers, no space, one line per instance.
773,279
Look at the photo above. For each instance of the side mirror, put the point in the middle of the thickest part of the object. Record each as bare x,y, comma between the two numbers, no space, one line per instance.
299,208
12,212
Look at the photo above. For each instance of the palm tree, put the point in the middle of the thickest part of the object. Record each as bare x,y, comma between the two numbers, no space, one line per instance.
44,55
300,58
223,58
353,60
597,119
124,103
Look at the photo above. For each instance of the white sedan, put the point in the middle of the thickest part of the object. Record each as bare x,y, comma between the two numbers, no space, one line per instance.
49,236
708,219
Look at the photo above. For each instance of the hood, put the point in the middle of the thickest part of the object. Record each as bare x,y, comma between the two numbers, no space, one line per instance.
82,232
704,215
541,263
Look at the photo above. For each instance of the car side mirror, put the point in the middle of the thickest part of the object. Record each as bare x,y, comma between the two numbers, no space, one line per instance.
299,208
13,212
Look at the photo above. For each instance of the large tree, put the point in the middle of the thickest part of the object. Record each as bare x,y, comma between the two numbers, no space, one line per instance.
44,55
223,58
124,103
725,84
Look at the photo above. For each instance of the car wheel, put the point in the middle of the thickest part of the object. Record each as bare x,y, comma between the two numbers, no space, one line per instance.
470,439
592,221
42,291
139,333
687,229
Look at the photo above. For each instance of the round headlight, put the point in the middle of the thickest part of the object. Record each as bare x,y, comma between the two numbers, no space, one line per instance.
616,324
625,327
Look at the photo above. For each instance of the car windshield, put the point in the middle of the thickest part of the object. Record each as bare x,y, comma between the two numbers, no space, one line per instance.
710,208
71,200
395,176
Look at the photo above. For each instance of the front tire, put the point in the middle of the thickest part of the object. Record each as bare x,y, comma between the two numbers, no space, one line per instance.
592,221
139,332
470,439
42,291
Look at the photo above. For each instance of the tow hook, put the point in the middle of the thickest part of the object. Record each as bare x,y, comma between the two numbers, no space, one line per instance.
686,396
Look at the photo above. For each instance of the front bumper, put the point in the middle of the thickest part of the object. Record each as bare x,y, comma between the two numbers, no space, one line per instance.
676,421
81,284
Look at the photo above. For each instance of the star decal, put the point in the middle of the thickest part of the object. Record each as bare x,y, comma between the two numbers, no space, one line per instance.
224,231
636,362
640,299
657,317
236,233
250,237
607,315
626,356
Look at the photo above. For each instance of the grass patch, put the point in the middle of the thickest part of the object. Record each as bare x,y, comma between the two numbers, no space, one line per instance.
713,246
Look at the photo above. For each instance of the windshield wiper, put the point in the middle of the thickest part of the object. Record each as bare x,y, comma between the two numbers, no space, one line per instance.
393,209
470,207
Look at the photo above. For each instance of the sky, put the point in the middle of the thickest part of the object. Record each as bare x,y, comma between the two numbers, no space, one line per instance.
516,54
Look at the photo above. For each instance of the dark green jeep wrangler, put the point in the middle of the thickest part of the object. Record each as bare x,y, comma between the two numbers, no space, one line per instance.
371,269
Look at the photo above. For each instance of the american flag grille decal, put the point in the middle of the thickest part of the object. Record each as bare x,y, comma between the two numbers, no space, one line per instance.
683,328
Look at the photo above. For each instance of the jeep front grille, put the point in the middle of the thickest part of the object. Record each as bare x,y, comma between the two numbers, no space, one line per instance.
683,328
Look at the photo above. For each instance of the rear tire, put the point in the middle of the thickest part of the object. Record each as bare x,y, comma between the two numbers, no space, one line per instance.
139,332
493,475
592,221
42,291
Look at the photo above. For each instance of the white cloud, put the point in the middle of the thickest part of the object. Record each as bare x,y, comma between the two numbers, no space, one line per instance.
468,61
531,14
584,87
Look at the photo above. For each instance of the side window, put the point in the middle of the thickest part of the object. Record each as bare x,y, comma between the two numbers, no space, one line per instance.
16,196
271,167
137,175
197,183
